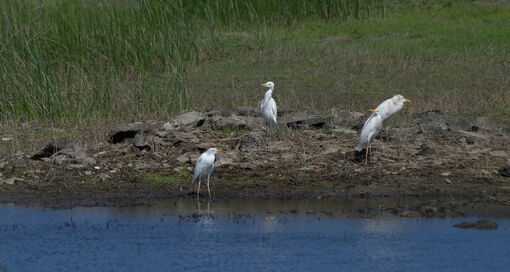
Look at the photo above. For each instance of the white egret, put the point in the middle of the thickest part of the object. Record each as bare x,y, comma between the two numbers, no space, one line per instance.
204,168
268,106
389,107
374,123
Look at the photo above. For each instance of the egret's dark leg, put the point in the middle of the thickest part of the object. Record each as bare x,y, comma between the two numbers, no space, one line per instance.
208,189
366,153
198,191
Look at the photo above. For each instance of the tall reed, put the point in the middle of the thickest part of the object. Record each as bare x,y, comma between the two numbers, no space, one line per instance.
70,60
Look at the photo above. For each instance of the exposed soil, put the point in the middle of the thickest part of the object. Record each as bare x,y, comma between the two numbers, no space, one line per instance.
309,157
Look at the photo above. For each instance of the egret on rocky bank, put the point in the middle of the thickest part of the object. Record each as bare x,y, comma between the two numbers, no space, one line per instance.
374,123
268,106
390,106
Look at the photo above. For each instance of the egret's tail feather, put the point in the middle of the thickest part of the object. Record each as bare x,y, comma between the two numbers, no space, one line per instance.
359,147
194,179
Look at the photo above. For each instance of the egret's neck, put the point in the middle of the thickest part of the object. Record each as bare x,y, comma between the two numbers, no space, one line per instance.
268,94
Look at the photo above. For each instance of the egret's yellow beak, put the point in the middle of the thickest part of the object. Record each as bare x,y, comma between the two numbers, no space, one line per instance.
373,110
263,84
218,150
407,100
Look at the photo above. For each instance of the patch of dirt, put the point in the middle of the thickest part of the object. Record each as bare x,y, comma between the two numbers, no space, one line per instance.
420,159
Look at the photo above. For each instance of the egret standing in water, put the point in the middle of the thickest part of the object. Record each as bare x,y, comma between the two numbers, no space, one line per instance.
268,106
204,168
374,123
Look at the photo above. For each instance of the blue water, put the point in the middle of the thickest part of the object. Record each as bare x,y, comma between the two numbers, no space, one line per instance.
230,237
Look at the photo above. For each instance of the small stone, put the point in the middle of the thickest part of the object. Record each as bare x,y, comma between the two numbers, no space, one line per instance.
188,119
103,176
459,123
483,123
480,224
183,159
408,214
425,150
88,172
250,142
446,174
428,210
448,181
11,181
485,172
140,141
305,120
344,131
7,139
498,153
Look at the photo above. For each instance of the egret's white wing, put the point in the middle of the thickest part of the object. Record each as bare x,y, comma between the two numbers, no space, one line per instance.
202,167
273,109
370,129
198,169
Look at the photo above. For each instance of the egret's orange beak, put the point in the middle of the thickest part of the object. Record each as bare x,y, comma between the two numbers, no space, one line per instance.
407,100
263,84
219,150
373,110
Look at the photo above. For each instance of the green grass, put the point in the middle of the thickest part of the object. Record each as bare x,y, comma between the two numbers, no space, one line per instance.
168,178
453,58
75,61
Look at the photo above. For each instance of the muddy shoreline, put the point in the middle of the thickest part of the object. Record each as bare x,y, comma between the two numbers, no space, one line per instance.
425,156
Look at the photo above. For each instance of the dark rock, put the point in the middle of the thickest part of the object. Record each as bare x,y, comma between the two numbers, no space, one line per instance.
459,123
229,123
428,211
282,111
408,213
188,119
250,142
425,150
345,119
74,160
483,123
247,111
179,138
225,159
224,113
140,141
127,131
431,122
66,143
505,170
480,224
303,120
357,156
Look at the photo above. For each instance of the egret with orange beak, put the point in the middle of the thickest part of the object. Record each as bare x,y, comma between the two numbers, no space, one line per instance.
204,168
374,123
268,106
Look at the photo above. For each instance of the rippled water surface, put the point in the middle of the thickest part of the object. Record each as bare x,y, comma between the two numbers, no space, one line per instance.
172,235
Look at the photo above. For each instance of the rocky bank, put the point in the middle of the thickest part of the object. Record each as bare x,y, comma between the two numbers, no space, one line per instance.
310,156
